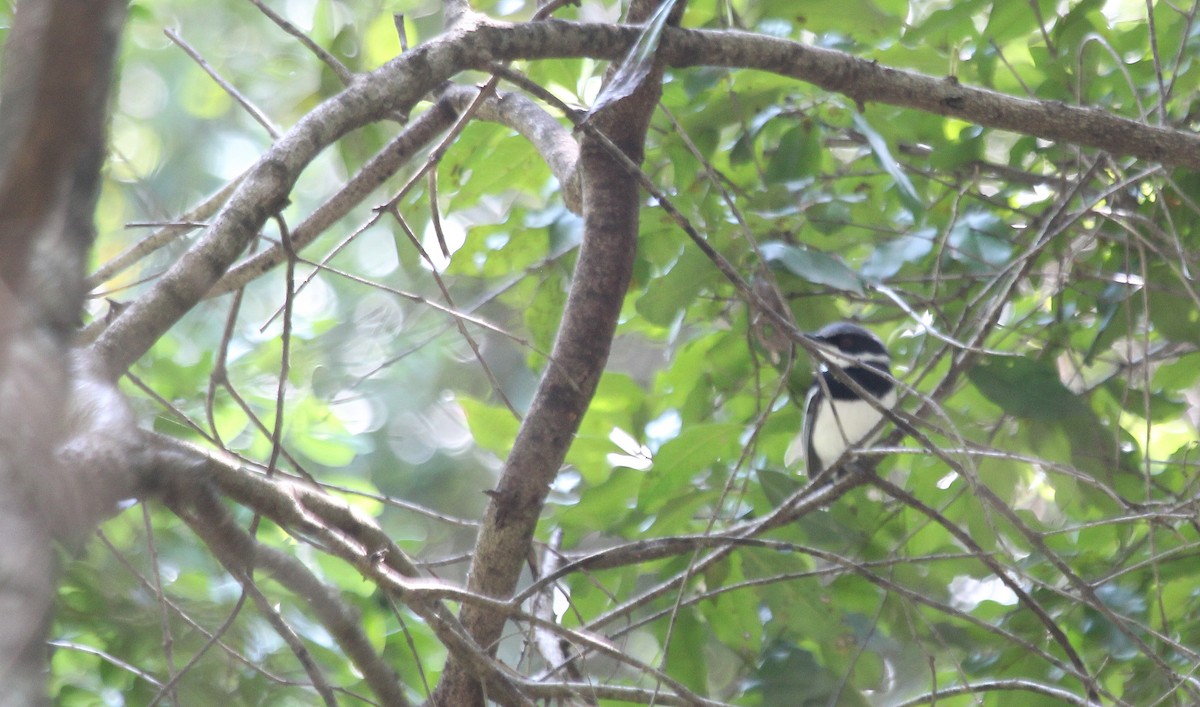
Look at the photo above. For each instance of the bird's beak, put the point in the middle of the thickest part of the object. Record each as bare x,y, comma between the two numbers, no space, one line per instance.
827,349
821,344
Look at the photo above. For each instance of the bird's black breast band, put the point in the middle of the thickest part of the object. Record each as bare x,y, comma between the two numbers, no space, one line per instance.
868,377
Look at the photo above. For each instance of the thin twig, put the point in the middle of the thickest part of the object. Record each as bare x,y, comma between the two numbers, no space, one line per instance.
259,116
345,75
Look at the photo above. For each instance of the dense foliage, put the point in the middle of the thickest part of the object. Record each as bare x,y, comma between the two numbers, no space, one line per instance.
1039,300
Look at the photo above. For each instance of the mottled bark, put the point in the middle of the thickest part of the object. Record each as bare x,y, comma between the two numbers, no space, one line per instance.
610,212
53,99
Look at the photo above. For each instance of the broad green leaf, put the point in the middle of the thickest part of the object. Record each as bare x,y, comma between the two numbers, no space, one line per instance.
1179,374
777,485
872,18
888,258
685,458
492,427
606,504
1026,388
817,268
829,217
980,239
667,296
640,60
543,315
946,26
798,154
1032,390
883,157
1009,20
789,675
1175,317
1111,302
686,659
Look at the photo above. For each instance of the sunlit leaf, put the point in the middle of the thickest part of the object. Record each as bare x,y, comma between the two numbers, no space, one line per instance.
492,427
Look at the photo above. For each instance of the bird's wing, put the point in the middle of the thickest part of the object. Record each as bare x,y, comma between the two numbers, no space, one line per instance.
811,403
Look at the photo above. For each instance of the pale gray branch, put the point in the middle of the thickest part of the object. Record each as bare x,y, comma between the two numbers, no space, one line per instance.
400,83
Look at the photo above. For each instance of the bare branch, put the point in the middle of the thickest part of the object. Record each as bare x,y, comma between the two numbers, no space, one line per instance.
345,75
259,117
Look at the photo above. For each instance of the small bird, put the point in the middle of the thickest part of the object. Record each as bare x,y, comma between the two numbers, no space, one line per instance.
835,417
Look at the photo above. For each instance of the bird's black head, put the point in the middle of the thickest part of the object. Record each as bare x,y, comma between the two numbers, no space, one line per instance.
852,341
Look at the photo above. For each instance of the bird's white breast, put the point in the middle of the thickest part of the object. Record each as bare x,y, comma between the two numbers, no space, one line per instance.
849,427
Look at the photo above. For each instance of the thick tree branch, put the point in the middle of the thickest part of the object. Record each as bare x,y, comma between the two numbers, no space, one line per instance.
610,213
552,141
395,87
868,81
398,85
187,481
57,71
53,99
416,135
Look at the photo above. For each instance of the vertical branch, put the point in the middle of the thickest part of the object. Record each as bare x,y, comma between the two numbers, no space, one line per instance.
602,275
53,101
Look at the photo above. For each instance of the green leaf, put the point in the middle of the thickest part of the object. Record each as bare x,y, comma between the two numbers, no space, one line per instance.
606,504
798,154
669,295
887,259
686,457
818,268
689,636
1110,326
1175,316
1031,390
829,217
776,485
1026,388
883,157
1009,20
871,18
545,312
980,239
638,62
946,26
494,428
1178,375
789,675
